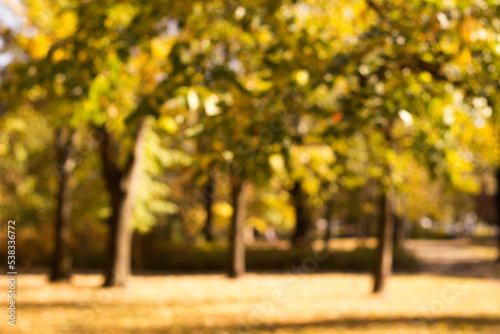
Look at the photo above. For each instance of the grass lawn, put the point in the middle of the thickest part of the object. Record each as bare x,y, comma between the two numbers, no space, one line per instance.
257,303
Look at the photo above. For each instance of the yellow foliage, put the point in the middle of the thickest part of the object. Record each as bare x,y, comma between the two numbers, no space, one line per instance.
258,223
39,46
223,209
167,124
160,47
301,77
65,24
60,55
464,57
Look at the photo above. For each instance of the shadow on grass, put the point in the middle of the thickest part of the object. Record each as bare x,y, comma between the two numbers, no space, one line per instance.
469,324
471,269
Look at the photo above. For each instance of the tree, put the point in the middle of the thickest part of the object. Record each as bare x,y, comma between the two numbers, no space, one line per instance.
225,83
123,186
303,219
328,217
394,74
61,265
236,237
340,103
73,70
383,255
209,193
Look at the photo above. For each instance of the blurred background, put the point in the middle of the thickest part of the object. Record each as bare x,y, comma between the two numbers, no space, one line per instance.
154,152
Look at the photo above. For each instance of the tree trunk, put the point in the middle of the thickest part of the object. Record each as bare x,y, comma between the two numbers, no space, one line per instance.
208,193
237,233
302,219
61,264
497,199
399,233
384,251
328,218
122,187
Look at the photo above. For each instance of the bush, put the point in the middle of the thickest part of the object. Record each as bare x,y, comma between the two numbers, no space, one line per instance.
215,258
156,254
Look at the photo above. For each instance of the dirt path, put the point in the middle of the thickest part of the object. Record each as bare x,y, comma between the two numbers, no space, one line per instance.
459,257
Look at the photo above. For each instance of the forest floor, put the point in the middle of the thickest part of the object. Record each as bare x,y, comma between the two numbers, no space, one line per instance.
431,301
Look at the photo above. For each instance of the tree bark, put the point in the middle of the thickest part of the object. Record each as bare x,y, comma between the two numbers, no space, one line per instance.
328,217
122,186
399,235
300,235
208,193
61,264
497,200
384,251
237,232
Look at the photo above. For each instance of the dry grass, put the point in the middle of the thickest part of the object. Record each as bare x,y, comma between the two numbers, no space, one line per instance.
314,303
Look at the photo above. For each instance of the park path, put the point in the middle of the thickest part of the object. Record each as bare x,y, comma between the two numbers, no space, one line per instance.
459,257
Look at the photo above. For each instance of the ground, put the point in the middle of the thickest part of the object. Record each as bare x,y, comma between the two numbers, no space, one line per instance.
429,302
459,257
